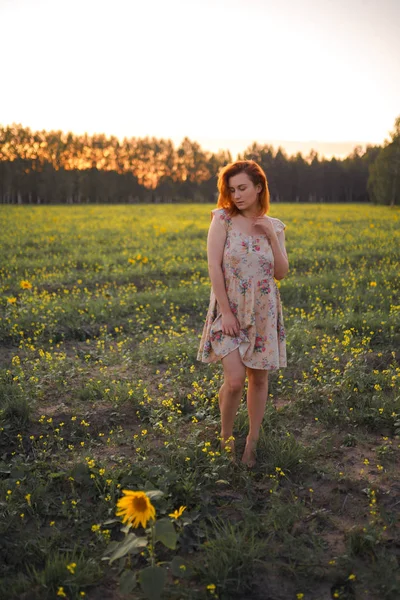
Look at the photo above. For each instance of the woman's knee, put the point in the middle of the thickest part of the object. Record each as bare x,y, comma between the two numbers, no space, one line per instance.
234,372
234,384
258,378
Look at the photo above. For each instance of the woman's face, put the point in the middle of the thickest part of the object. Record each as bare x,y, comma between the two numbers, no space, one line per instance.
244,193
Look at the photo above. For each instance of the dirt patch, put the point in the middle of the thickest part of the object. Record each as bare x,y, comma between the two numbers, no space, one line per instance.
280,403
335,541
360,462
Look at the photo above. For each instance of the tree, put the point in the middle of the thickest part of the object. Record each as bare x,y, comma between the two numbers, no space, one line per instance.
384,180
41,166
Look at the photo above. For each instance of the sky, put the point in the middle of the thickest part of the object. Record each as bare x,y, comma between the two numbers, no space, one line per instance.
225,73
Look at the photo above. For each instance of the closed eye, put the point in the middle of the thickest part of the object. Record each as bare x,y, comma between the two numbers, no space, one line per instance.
241,188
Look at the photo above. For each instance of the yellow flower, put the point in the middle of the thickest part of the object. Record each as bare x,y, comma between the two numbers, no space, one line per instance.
372,283
71,568
60,592
28,499
177,513
135,508
211,587
26,285
12,300
352,577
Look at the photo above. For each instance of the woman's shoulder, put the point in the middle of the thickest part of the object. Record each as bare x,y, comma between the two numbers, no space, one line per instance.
222,214
278,224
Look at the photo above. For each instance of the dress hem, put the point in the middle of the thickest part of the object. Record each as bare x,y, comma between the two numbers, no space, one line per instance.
219,358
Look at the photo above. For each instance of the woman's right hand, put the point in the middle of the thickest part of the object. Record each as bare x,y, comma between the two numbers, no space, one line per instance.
230,324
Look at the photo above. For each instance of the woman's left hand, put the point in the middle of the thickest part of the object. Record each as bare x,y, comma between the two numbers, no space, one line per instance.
266,226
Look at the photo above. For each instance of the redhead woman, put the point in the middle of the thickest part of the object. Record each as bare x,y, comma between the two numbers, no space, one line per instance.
244,324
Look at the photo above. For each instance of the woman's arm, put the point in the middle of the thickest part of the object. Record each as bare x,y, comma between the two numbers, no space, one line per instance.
215,250
281,262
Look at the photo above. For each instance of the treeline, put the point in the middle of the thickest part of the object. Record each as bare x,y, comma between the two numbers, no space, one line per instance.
39,167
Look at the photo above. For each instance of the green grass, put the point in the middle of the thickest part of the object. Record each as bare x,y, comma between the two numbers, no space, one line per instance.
100,391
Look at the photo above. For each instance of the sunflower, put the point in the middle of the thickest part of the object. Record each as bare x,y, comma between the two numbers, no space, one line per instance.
135,508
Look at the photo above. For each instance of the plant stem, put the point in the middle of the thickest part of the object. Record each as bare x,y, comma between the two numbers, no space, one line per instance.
153,542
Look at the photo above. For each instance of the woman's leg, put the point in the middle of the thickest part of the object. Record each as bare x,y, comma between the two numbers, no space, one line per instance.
257,394
230,393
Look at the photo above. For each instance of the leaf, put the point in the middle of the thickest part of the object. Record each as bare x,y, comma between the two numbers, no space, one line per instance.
165,533
109,550
111,521
132,544
57,475
126,529
154,494
127,582
152,581
180,568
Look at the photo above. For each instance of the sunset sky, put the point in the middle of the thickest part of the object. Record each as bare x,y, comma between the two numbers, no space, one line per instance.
223,72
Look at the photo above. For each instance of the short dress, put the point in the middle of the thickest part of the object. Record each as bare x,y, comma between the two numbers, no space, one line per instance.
248,268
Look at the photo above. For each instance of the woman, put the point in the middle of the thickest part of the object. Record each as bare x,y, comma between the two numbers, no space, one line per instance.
244,324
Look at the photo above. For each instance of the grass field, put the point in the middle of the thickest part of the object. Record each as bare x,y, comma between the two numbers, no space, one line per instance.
102,308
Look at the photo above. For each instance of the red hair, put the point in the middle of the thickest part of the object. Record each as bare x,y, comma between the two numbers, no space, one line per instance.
257,176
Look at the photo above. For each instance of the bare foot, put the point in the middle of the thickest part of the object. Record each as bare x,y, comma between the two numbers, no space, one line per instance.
249,454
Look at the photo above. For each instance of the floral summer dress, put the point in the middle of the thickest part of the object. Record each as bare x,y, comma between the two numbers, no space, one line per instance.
248,267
